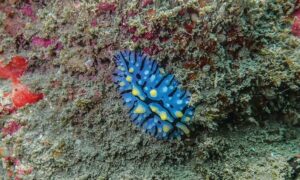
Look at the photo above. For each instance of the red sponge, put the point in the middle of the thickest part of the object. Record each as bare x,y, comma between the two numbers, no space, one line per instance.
14,69
22,96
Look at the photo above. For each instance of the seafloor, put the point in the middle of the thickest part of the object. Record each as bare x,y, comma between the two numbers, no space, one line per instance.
240,59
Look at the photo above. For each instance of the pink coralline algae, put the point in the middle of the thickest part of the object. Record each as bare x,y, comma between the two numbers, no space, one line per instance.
149,35
296,25
189,27
10,128
59,46
106,7
132,30
27,10
151,50
42,42
15,169
6,109
145,3
94,22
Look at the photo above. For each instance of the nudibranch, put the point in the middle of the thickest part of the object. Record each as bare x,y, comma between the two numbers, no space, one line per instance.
155,101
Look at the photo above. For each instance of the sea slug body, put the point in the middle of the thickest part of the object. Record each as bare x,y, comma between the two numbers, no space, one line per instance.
156,103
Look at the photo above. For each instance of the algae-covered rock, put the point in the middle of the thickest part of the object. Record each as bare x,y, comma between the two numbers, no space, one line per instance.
239,60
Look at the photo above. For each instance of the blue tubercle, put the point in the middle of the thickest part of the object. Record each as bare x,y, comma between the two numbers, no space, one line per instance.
156,103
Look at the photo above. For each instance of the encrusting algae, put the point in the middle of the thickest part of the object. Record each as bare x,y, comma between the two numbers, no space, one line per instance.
238,59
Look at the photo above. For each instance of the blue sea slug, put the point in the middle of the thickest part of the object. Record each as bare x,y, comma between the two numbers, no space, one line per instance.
156,103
